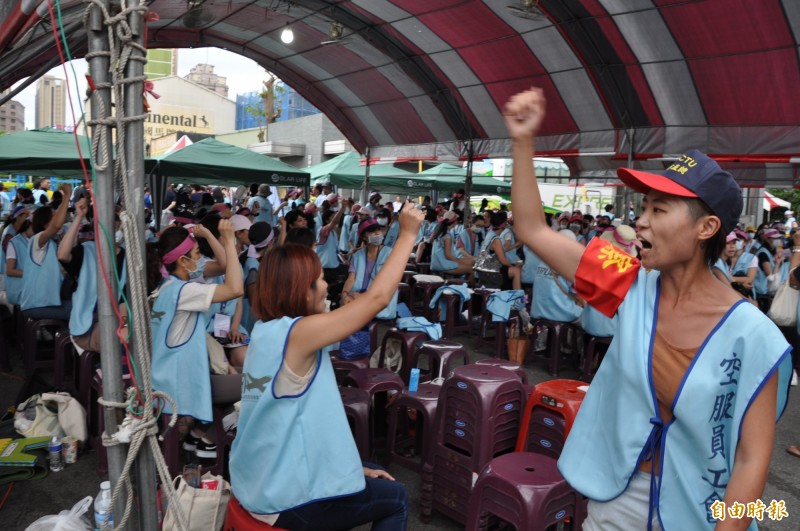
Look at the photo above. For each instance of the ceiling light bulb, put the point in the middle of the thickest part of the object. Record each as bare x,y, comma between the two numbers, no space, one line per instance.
287,36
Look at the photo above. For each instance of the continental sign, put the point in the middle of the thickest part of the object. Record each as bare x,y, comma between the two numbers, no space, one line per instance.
165,119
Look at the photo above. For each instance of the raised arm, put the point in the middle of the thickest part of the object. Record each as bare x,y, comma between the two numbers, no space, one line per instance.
320,330
59,217
233,286
69,239
524,113
216,267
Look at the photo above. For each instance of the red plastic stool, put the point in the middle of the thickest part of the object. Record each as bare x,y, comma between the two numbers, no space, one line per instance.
442,356
548,416
356,407
408,348
527,491
505,364
238,519
407,435
591,345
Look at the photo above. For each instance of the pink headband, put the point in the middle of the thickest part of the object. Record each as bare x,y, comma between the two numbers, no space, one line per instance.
184,247
626,244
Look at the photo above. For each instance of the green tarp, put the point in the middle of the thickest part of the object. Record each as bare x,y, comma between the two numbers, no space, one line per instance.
346,171
450,178
210,160
44,152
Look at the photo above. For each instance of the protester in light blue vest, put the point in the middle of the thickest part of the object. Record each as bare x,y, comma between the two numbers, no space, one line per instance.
41,282
180,363
393,230
445,256
769,260
262,206
422,252
501,242
680,417
553,297
16,255
365,265
261,236
722,268
294,463
470,240
349,220
328,252
13,226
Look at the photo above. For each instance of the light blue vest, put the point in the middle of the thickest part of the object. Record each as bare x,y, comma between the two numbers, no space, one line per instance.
549,302
8,230
618,424
247,314
41,283
182,370
84,300
344,236
292,450
742,264
597,324
228,308
391,234
529,266
14,284
328,252
264,209
439,261
722,266
760,283
466,240
491,236
359,261
426,230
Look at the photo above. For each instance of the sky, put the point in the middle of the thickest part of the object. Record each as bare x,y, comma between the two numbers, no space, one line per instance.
243,75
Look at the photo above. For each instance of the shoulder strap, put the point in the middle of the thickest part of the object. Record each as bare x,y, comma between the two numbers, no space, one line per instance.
577,300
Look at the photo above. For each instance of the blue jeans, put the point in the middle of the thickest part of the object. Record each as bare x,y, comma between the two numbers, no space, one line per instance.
383,502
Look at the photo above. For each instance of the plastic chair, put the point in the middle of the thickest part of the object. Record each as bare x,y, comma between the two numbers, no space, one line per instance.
408,348
238,519
66,363
32,351
592,344
548,417
441,355
452,326
557,333
413,436
505,364
420,297
342,368
356,407
525,490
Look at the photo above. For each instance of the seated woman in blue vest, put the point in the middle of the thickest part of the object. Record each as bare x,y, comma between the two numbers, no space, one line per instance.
261,236
501,242
469,241
722,267
445,256
744,268
294,463
179,317
365,265
16,253
422,251
679,421
41,283
328,251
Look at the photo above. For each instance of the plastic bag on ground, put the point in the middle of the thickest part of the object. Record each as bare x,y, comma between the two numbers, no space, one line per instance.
72,520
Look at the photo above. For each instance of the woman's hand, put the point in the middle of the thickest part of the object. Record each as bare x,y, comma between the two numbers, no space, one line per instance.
81,208
226,229
200,231
372,473
236,337
524,113
411,219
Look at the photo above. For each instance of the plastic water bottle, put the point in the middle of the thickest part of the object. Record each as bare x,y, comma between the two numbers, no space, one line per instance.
102,507
413,380
54,448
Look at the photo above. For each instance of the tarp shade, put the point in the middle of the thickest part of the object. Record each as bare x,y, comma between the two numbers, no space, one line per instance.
346,171
44,152
210,160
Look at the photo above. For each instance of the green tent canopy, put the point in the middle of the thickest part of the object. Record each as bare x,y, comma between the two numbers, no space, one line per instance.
44,152
346,171
212,160
450,178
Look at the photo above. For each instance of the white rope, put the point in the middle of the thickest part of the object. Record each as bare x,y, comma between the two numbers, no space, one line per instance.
134,431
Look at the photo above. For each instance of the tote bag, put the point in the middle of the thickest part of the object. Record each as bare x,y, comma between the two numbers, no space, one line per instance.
204,508
783,311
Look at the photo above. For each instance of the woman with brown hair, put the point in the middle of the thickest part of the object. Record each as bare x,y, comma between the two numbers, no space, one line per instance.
294,463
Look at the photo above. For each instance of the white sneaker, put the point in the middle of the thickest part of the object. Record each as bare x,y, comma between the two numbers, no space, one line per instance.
794,378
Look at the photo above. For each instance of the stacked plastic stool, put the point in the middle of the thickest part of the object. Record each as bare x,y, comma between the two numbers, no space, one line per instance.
441,356
420,297
408,342
549,414
356,404
478,417
592,345
238,519
508,365
557,333
527,491
412,420
38,354
379,383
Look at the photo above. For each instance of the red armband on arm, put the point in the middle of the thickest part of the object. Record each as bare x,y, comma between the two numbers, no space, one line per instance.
604,276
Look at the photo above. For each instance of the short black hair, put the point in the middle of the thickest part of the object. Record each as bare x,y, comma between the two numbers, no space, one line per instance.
713,246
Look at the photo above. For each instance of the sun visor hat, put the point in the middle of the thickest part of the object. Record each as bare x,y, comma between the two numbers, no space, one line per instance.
366,225
694,174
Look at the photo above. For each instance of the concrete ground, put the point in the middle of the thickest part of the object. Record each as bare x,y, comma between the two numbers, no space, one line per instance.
26,501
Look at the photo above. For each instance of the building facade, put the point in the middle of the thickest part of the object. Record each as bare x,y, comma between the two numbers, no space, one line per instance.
204,76
51,97
12,116
161,62
292,106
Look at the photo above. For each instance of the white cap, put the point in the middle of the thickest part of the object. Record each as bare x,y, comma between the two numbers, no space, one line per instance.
789,213
240,222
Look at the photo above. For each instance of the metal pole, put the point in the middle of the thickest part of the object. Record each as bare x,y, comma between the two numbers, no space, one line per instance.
626,192
110,353
468,183
134,154
365,190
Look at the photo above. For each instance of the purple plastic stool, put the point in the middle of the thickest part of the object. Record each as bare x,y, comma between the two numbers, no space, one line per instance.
407,435
591,346
442,356
505,364
527,491
356,406
408,347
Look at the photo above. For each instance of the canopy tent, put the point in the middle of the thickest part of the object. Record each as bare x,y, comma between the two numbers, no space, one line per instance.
346,171
210,160
418,80
770,202
450,178
182,142
44,152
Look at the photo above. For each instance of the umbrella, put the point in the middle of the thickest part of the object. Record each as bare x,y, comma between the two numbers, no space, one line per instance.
770,202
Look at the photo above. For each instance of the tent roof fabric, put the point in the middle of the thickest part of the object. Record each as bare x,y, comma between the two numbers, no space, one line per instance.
652,78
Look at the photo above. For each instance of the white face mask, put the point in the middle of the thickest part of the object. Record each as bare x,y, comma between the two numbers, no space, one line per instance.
119,237
383,221
375,239
739,245
477,230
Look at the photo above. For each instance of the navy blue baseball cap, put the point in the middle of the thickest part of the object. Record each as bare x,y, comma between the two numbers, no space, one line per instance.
694,174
